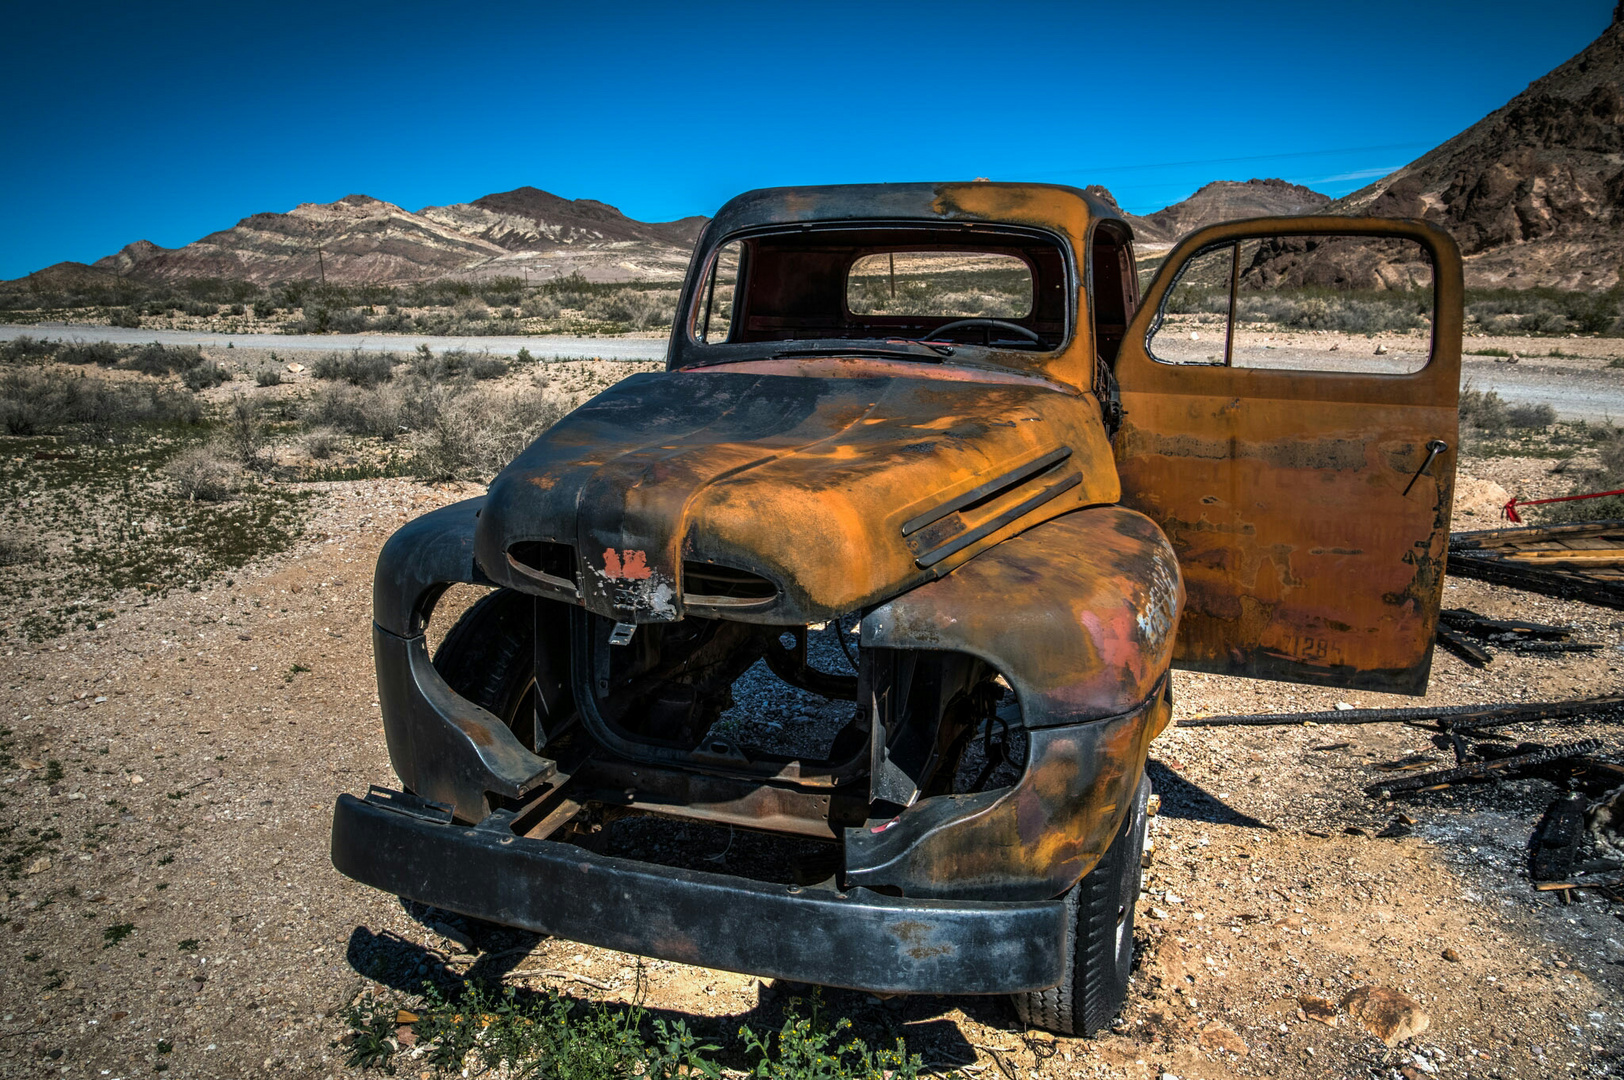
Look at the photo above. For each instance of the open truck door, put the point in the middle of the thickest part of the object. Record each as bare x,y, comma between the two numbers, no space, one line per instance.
1289,390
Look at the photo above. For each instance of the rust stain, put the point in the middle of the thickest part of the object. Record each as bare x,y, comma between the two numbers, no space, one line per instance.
626,565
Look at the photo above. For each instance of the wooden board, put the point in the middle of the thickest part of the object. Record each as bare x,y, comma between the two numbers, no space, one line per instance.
1581,561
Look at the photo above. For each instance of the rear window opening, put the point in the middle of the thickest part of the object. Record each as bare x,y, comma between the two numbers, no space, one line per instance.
975,287
949,284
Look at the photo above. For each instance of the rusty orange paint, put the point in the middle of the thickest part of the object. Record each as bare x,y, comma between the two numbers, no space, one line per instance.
1303,556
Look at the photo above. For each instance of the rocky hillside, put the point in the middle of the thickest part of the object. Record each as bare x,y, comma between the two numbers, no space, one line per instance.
361,239
1221,200
1534,192
1231,200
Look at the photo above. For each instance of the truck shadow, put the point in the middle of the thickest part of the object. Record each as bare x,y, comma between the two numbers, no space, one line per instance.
409,968
1186,801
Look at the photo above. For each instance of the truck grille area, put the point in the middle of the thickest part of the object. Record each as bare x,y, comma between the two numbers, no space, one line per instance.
544,561
715,585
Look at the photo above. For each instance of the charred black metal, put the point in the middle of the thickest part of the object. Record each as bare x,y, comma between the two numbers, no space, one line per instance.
1488,770
1470,622
1469,651
1459,717
859,938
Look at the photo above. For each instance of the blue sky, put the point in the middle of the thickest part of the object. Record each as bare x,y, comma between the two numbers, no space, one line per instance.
168,121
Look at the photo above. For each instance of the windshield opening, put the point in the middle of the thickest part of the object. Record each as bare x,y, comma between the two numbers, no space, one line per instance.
965,287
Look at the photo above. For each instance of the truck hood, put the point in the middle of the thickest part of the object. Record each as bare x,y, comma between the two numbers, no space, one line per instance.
783,499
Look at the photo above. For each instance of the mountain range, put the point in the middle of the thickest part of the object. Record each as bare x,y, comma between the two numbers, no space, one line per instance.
1533,192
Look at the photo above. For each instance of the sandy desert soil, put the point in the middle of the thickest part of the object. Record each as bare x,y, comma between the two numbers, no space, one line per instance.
167,783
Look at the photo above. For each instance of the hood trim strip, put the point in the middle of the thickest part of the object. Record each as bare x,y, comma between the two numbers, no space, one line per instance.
987,488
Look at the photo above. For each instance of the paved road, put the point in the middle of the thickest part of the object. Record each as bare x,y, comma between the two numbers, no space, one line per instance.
544,347
1575,392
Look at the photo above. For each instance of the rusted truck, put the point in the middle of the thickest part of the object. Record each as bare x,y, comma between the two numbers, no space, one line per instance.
939,427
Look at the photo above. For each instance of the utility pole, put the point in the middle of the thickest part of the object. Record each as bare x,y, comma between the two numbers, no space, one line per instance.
322,265
893,257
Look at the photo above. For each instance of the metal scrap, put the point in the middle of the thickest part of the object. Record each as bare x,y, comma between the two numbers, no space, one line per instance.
1457,717
1467,650
1484,770
1471,622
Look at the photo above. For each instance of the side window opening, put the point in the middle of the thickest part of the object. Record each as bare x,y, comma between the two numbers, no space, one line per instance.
1333,303
712,321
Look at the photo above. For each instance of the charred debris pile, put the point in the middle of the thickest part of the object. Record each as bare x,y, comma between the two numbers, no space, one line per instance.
1576,846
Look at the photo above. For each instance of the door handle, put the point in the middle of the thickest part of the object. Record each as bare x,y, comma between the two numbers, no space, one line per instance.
1434,448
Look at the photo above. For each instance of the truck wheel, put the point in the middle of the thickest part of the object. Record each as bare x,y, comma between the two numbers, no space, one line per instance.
488,657
1099,949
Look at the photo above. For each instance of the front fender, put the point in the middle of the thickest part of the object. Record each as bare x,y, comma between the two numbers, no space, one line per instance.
442,746
1079,615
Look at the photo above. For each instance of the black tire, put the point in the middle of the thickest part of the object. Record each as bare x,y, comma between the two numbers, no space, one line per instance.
1099,949
489,657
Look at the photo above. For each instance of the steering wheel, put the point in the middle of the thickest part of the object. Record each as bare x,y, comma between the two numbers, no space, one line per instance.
987,325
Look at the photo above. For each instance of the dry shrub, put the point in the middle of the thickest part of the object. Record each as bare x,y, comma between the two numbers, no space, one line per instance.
1530,416
246,435
202,474
1483,409
475,433
322,443
378,411
35,402
15,551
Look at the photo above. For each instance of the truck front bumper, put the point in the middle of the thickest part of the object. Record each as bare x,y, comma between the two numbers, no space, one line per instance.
859,939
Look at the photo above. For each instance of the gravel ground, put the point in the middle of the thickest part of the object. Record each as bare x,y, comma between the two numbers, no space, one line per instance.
174,905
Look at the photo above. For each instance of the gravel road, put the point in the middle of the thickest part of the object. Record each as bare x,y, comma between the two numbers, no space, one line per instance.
1578,388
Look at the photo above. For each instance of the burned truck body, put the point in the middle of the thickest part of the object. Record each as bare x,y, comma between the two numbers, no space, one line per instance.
1018,493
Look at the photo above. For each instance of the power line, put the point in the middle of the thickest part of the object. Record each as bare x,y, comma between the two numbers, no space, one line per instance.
1234,160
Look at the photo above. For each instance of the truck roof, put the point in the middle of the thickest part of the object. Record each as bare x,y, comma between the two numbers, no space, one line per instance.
1056,207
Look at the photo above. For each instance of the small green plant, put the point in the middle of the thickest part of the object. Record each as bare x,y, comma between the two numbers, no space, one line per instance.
189,945
506,1032
116,933
166,860
53,770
